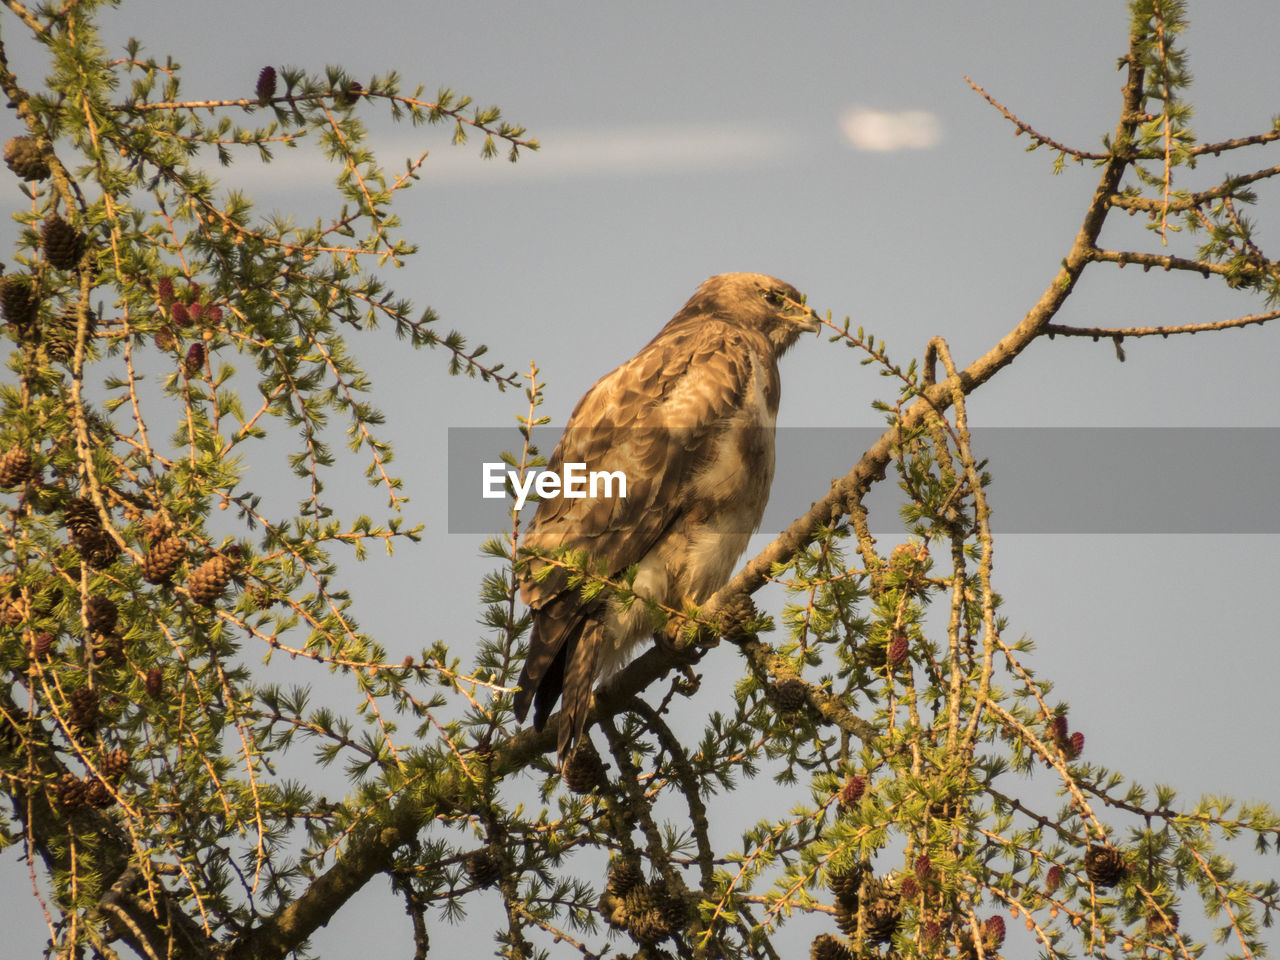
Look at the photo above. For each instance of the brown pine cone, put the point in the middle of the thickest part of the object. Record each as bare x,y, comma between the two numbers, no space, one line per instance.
162,560
154,683
992,934
734,614
90,539
851,793
845,885
675,909
789,694
882,917
23,156
63,245
82,710
208,580
82,517
584,770
643,914
1052,879
43,644
12,611
483,870
115,765
100,613
930,935
18,301
899,647
266,88
98,795
60,336
71,792
828,947
15,467
1104,864
194,361
623,877
96,548
846,919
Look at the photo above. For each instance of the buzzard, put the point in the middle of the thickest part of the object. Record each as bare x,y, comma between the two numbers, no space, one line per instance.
689,421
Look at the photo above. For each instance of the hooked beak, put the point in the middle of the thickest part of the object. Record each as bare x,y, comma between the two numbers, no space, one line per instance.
804,318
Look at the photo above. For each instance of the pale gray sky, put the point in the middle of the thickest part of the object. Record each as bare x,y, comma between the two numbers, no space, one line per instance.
835,145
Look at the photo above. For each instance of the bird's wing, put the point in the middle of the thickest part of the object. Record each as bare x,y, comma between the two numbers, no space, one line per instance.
655,418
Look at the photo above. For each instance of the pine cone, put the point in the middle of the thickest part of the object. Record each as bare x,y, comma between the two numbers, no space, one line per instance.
1104,865
789,694
208,580
12,610
643,914
98,795
100,613
195,359
483,870
1053,879
846,919
851,793
18,301
992,934
96,548
899,647
164,290
266,88
15,467
81,517
1076,743
882,915
930,935
923,866
155,683
115,765
623,877
845,884
828,947
60,336
63,244
164,339
162,560
734,614
23,156
82,710
675,909
43,644
584,770
71,792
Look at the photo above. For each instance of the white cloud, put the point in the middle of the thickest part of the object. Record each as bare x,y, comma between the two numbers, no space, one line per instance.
882,130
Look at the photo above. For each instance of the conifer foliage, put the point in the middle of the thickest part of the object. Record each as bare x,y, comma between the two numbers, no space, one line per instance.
143,582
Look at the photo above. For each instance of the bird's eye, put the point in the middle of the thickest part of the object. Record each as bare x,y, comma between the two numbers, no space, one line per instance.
773,297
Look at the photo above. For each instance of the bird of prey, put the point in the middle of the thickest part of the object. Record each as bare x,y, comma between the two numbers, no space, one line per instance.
689,421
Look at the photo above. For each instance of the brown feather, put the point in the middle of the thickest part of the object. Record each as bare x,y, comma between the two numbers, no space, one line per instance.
690,421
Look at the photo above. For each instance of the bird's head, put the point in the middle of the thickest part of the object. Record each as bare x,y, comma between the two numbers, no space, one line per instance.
759,302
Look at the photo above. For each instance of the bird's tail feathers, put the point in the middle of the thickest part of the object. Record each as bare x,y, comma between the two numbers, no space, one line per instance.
578,683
